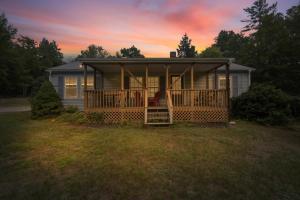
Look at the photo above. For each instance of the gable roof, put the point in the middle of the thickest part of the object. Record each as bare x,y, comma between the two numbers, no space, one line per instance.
72,66
237,67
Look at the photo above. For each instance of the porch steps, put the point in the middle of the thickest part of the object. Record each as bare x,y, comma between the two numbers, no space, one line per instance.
158,116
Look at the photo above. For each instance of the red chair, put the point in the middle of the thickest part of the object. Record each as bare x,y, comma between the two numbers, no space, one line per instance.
154,101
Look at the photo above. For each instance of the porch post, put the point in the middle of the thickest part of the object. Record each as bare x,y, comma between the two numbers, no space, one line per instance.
228,89
207,80
192,85
122,77
146,96
167,77
85,87
192,77
216,80
95,79
146,77
122,86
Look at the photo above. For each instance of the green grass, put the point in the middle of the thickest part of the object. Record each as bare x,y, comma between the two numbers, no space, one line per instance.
11,102
48,159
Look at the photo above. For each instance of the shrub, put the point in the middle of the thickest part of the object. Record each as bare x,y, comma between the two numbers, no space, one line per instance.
295,106
263,103
46,102
95,117
79,117
71,109
75,118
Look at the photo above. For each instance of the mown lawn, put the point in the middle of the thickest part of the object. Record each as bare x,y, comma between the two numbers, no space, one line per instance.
47,159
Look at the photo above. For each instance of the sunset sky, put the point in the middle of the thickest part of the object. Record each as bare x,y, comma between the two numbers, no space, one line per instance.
154,26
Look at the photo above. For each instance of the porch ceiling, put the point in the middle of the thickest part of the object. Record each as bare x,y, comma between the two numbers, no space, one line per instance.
156,65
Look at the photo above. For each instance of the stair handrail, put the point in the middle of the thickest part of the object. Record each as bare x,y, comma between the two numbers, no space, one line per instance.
170,105
146,105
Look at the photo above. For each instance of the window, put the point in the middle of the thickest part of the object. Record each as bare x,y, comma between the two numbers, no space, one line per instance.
153,85
134,84
222,83
177,85
89,84
70,87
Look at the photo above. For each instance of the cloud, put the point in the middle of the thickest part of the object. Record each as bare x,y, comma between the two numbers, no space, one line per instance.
154,26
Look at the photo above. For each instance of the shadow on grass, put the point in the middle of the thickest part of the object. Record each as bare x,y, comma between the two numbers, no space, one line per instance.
47,159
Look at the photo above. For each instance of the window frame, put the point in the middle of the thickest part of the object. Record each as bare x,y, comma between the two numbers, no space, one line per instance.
223,78
90,84
67,86
152,90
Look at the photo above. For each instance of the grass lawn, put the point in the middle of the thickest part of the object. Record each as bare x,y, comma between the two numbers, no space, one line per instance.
47,159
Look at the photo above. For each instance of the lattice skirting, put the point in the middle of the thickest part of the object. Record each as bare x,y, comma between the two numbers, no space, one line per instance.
118,115
205,115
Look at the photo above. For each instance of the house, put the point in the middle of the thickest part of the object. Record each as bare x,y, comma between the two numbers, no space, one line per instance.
153,90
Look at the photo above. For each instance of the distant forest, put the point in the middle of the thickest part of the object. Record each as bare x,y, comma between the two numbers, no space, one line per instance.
268,42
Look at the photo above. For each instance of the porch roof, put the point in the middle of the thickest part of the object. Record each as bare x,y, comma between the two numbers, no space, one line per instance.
155,64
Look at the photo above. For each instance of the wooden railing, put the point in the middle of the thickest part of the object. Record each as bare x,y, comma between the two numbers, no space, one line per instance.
138,98
199,98
170,105
114,98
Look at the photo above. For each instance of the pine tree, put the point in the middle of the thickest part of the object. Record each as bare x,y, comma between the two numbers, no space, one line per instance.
185,48
256,12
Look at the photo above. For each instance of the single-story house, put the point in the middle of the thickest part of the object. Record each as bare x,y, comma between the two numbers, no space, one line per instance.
153,90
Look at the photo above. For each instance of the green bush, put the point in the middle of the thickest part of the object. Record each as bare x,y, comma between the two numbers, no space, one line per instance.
295,106
75,118
71,109
46,102
263,103
95,117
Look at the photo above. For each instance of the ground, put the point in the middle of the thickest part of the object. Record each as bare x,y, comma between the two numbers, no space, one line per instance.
49,159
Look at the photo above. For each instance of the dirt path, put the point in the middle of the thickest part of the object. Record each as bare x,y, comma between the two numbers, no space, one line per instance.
14,109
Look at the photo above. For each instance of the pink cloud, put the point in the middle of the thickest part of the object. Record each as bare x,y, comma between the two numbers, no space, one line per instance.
155,26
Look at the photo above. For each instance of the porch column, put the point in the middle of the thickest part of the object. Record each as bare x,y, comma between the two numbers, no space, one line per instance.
85,87
146,95
122,86
146,77
216,80
95,79
122,77
228,89
167,77
207,80
192,86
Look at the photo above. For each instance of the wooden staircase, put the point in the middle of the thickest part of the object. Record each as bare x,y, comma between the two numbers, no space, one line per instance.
158,116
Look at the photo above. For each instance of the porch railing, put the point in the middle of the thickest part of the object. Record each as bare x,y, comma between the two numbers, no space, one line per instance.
199,98
114,98
138,98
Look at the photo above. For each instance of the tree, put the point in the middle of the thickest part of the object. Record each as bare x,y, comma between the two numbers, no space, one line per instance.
185,48
131,52
94,51
29,63
7,54
256,12
211,52
50,54
232,45
46,102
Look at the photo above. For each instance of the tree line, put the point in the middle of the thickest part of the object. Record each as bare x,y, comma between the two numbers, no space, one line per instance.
269,42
